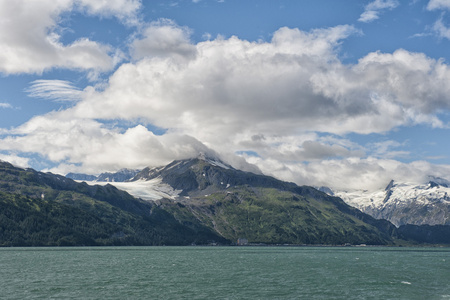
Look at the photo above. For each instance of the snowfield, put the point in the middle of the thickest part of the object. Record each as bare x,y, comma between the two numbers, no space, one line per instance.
150,190
401,193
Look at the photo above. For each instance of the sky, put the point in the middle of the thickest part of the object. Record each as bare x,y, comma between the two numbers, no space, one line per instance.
347,94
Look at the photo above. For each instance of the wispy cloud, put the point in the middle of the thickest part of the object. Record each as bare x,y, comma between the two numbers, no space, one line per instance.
438,4
440,29
385,149
56,90
5,105
373,9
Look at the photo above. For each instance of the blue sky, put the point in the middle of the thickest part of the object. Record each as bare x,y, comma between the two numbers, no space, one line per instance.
348,94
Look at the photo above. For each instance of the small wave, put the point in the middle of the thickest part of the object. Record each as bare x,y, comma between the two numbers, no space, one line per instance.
406,282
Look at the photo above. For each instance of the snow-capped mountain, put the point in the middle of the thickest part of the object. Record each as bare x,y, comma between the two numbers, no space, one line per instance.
154,183
405,203
190,177
399,203
119,176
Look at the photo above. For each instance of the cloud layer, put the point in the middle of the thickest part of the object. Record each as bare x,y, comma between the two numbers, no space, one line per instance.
284,105
225,88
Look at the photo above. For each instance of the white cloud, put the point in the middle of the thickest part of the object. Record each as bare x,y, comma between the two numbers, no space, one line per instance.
96,147
438,4
374,8
164,39
15,160
5,105
233,95
29,42
385,149
57,90
124,10
352,173
440,29
295,83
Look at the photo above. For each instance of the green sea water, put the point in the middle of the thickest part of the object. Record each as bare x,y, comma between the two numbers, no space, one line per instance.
225,273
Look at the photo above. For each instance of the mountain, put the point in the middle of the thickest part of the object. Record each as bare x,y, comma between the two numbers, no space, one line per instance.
119,176
261,209
405,203
208,202
81,177
43,209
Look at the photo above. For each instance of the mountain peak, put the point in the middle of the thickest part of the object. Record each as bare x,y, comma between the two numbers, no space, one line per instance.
213,160
204,175
389,186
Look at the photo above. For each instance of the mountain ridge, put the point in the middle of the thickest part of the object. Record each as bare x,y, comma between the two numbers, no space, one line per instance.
44,209
213,191
119,176
215,204
405,203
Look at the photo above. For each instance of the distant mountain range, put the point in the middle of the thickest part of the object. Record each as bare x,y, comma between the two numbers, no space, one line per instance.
119,176
259,208
196,201
158,183
405,203
399,203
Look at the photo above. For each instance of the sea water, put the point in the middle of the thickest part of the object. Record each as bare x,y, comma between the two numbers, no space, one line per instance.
225,273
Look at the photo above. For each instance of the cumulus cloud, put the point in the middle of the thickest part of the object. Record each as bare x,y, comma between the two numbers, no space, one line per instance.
236,96
57,90
294,83
374,8
84,144
124,10
30,43
164,39
352,173
16,160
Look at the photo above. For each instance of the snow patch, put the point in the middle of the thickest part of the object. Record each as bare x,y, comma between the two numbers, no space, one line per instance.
150,190
218,164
